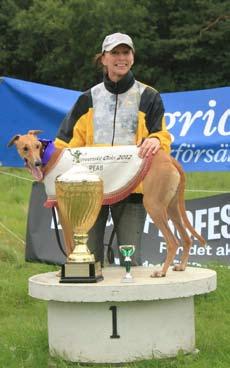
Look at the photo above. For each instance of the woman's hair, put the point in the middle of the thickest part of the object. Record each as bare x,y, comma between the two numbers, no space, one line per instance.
97,61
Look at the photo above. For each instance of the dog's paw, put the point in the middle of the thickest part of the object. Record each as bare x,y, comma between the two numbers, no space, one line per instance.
158,274
179,267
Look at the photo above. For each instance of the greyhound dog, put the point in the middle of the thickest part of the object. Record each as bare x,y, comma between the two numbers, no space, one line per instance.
163,196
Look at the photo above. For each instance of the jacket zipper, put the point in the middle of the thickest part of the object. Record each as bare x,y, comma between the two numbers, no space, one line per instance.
114,119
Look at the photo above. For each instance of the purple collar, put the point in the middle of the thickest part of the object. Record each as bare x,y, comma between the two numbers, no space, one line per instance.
48,149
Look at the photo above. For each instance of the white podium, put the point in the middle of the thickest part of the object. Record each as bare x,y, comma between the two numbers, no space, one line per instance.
115,322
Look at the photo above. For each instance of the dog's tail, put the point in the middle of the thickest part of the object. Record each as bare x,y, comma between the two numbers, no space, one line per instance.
182,204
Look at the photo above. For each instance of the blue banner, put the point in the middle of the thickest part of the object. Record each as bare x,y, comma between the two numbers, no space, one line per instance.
199,121
26,105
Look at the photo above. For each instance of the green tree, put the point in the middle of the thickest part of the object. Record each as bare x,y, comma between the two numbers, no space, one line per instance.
191,51
8,34
57,40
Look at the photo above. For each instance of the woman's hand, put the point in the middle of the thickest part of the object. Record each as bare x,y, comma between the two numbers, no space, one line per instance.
149,146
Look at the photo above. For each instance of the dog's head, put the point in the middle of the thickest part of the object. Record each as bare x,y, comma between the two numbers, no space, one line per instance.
30,150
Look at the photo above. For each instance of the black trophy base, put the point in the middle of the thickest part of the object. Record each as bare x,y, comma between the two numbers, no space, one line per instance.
76,272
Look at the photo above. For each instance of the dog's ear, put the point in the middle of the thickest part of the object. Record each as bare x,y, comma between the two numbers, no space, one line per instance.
35,132
12,141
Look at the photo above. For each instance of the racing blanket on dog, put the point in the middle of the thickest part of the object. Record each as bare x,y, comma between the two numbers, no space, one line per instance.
120,168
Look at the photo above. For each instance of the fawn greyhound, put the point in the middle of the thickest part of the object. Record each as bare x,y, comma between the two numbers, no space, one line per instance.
163,196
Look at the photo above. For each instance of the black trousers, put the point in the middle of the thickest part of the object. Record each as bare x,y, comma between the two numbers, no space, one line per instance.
128,218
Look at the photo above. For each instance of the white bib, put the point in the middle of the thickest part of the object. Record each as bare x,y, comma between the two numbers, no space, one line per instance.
120,168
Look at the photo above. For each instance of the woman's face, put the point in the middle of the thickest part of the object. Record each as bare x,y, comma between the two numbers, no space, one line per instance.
118,61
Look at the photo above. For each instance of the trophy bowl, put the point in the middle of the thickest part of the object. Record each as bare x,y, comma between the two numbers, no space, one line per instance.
79,196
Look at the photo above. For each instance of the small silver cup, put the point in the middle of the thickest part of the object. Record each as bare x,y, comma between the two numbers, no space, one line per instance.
127,251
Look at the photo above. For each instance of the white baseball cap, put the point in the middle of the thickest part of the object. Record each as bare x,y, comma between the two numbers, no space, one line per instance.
116,39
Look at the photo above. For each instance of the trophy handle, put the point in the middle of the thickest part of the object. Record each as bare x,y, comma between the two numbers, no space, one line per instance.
67,232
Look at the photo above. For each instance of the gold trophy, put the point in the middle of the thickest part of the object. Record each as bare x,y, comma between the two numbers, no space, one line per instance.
79,196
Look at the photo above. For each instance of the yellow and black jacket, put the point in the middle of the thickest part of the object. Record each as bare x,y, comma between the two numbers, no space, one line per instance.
112,113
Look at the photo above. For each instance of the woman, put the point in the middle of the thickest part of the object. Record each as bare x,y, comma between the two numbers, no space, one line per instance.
118,111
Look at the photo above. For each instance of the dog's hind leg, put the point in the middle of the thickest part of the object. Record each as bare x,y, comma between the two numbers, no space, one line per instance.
186,241
159,216
159,187
177,212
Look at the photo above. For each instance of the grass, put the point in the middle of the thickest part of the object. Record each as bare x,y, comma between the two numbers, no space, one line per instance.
204,184
23,320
